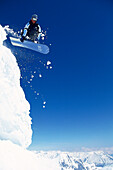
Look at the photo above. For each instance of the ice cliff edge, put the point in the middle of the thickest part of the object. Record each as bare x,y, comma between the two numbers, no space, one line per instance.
15,122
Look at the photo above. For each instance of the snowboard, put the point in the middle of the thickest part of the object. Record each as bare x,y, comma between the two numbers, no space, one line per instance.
41,48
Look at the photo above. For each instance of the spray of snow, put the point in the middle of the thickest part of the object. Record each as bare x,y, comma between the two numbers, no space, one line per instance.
10,31
29,74
15,122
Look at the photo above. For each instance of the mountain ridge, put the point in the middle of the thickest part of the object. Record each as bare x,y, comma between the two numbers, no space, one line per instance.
79,160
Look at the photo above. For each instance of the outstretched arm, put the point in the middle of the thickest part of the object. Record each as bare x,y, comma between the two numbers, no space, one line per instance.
25,32
26,29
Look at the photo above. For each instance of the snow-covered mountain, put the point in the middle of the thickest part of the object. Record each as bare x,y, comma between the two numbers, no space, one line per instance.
80,160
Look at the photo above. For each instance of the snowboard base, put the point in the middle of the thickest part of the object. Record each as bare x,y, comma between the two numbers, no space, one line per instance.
42,48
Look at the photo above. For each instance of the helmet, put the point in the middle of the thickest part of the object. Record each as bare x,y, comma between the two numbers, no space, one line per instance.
34,17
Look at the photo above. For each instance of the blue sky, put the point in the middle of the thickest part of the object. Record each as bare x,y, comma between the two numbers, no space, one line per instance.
79,88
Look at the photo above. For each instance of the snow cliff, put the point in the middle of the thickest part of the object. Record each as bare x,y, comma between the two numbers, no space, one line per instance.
15,122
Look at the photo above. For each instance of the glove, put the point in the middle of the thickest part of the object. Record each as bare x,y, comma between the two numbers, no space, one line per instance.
22,39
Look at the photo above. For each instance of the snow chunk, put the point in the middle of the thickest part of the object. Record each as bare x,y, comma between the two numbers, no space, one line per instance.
40,75
32,76
44,102
48,63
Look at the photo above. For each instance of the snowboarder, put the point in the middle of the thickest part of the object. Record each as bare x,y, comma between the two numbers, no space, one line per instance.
31,30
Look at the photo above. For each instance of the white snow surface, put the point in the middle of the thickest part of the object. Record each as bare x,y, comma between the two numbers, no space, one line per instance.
15,122
14,157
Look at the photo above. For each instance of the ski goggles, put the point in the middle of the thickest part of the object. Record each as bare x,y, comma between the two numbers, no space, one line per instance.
34,19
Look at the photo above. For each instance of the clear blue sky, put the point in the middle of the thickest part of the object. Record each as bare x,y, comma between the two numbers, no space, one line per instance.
79,88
